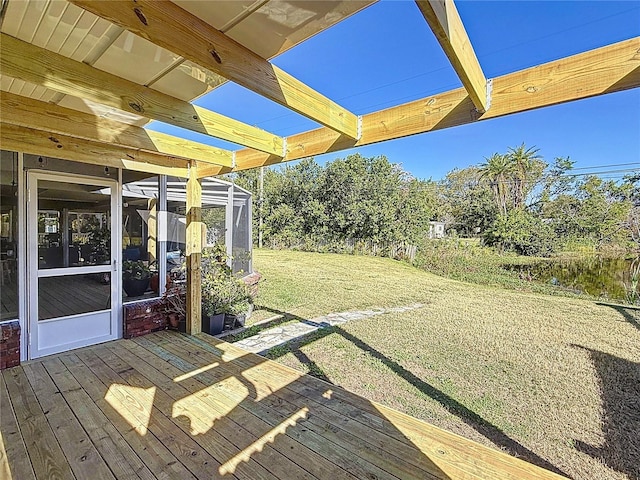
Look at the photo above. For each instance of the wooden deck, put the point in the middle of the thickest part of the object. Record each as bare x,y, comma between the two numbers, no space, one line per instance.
177,407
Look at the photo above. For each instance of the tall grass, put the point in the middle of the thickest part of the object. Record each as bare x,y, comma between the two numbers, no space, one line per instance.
631,286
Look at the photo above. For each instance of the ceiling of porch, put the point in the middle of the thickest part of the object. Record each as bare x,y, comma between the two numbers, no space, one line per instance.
266,27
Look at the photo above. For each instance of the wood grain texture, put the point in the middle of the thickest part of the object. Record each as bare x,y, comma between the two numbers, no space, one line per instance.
117,453
608,69
457,457
14,459
43,67
194,252
217,411
444,20
155,455
46,456
182,446
80,452
27,112
337,462
329,438
51,144
169,26
189,410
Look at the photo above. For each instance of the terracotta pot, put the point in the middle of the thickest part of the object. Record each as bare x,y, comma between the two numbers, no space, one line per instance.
154,282
174,321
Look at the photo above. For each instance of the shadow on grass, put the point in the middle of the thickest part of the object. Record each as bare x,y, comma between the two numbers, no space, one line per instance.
471,418
282,317
620,391
629,313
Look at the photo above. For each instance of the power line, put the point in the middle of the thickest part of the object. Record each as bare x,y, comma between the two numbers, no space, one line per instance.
607,166
624,170
495,52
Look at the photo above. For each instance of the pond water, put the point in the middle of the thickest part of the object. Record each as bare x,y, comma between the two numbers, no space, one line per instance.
601,277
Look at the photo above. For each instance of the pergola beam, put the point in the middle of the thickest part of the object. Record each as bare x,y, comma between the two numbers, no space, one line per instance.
166,24
27,112
43,67
444,20
604,70
51,144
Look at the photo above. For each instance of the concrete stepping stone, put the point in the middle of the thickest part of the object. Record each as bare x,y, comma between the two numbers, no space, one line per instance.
276,336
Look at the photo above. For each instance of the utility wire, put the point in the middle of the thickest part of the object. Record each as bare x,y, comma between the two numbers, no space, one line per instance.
495,52
607,166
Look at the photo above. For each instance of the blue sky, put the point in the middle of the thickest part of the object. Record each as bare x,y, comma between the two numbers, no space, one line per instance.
387,55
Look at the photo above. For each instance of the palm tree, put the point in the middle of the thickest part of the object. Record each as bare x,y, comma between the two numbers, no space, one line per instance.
497,169
523,160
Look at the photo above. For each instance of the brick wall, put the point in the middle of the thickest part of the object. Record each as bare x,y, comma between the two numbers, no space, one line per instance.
9,344
144,317
252,280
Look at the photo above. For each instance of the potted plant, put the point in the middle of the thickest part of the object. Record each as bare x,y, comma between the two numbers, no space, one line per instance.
175,305
215,279
135,277
238,304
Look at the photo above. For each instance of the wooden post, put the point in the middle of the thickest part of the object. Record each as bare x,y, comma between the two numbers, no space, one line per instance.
194,251
152,229
260,203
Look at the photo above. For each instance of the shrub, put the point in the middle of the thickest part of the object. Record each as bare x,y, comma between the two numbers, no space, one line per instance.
521,232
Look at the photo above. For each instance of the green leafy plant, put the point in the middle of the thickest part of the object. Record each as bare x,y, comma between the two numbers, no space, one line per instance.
135,270
100,241
631,286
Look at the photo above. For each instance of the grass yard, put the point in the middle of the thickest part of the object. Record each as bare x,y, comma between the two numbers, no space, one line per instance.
550,379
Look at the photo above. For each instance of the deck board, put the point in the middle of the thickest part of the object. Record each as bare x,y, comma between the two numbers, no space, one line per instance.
357,454
117,453
14,459
82,455
45,454
175,406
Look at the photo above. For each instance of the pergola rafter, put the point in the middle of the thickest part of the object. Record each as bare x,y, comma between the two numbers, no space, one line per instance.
51,144
169,26
43,67
27,112
444,20
608,69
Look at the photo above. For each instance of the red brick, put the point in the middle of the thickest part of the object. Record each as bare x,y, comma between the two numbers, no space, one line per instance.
9,345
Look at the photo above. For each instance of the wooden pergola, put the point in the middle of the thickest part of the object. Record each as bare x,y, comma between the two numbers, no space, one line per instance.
82,131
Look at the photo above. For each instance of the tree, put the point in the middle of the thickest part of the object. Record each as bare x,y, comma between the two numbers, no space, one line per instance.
522,232
468,201
497,169
525,166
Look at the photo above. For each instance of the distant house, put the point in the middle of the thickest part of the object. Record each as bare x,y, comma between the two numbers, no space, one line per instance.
436,229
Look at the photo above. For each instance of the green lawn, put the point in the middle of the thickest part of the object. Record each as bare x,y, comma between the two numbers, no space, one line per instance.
553,380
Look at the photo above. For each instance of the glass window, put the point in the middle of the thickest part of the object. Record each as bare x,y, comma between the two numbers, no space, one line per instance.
61,296
74,223
9,235
241,262
140,242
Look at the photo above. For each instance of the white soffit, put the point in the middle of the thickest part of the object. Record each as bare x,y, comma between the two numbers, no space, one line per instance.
279,25
268,27
135,59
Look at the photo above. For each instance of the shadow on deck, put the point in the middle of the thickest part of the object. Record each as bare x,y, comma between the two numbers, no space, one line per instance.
173,406
471,418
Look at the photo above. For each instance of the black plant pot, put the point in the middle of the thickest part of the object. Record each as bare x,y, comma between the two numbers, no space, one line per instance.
213,324
234,321
134,287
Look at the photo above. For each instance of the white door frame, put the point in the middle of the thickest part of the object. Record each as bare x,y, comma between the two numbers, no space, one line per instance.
46,337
